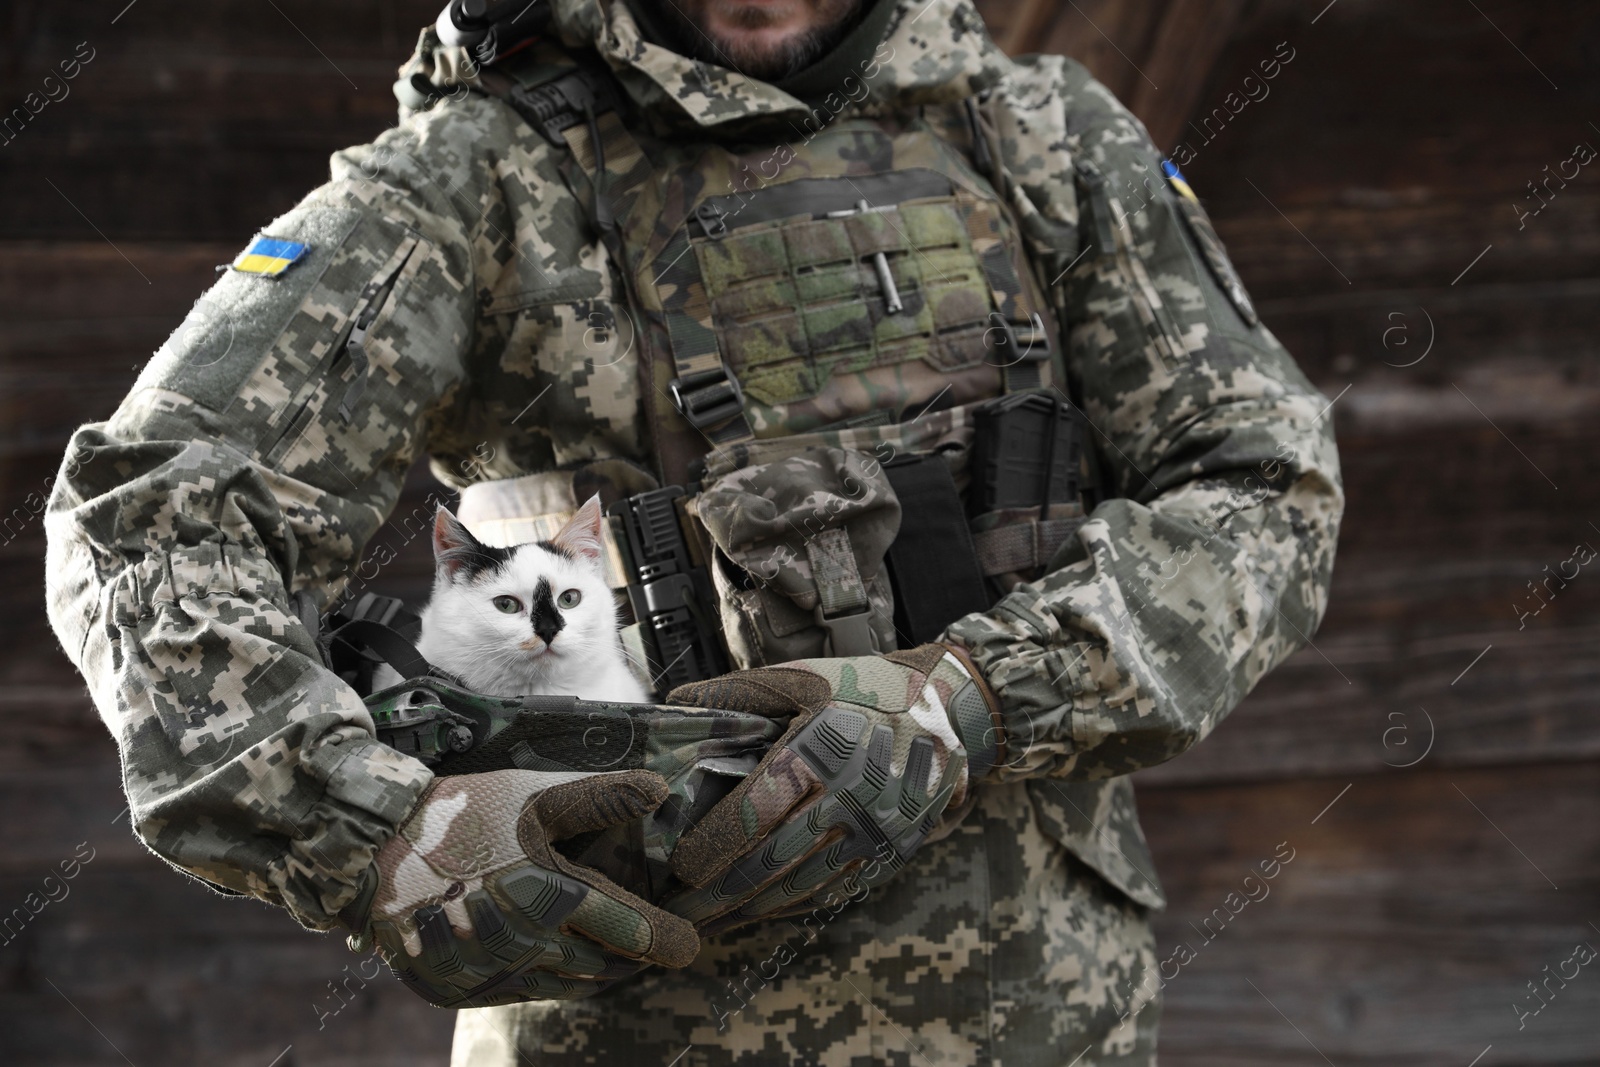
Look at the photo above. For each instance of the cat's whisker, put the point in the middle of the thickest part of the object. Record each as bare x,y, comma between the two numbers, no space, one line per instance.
488,601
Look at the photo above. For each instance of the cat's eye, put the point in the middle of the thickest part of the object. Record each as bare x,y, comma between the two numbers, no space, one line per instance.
508,604
569,599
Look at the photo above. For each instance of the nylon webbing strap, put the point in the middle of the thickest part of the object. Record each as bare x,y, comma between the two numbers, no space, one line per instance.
705,394
553,105
615,167
1021,546
933,568
703,390
833,567
1018,335
395,650
579,111
843,610
388,610
626,167
1021,339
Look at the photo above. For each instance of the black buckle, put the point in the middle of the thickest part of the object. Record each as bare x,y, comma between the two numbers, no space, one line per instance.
380,609
713,220
707,398
555,106
847,635
1008,347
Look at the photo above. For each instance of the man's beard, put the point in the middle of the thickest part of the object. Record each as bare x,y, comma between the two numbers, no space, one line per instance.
765,62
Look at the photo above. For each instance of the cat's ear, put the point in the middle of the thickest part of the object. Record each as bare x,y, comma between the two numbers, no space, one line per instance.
453,544
581,535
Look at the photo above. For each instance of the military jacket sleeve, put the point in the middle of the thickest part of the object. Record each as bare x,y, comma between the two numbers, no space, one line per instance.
1210,561
258,452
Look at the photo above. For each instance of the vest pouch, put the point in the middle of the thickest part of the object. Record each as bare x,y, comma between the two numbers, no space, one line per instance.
798,544
1033,474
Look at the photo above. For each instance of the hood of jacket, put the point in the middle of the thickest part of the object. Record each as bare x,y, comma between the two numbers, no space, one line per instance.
933,52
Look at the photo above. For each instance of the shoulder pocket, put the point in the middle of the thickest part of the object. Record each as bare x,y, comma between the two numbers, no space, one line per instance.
212,353
337,381
1123,284
1211,250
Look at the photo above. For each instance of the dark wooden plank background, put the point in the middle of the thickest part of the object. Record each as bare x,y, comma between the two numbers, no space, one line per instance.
1356,198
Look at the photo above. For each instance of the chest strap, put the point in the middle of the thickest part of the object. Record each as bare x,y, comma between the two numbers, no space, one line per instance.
605,168
372,630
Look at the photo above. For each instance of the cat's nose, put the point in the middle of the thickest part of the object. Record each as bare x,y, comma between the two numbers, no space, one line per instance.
547,633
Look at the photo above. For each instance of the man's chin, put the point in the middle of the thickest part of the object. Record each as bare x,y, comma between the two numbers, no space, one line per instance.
771,40
767,55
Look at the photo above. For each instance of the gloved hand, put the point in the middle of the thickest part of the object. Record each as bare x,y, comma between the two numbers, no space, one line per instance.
878,748
470,905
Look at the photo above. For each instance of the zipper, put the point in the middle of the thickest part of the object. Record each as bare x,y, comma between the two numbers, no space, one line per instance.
374,296
352,346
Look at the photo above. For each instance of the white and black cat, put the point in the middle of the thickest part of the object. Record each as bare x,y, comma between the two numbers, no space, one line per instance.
532,619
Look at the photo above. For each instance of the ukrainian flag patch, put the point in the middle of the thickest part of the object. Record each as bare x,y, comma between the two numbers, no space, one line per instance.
1179,182
268,257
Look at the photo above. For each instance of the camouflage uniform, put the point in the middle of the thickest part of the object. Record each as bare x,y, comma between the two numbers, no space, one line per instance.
229,480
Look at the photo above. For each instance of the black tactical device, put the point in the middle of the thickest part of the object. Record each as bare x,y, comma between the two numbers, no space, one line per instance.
456,731
1028,450
491,28
671,596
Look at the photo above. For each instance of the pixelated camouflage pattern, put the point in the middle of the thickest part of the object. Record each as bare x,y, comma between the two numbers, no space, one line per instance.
766,608
473,905
824,348
754,856
940,53
767,612
946,432
227,482
700,755
1211,561
801,532
994,946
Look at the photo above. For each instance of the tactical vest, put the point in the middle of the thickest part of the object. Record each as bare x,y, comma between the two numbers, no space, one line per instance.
855,387
808,449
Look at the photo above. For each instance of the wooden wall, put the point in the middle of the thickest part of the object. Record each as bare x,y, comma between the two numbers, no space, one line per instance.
1356,196
193,125
1386,157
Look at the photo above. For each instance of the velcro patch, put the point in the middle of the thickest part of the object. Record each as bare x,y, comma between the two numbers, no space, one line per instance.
268,257
1177,180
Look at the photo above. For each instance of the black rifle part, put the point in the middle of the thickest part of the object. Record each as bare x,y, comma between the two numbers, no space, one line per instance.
488,30
933,567
1028,451
671,596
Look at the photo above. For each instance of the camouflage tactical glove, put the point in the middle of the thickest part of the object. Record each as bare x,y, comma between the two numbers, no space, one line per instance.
878,748
471,905
702,754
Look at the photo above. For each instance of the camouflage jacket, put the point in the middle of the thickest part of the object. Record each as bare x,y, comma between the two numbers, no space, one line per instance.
229,480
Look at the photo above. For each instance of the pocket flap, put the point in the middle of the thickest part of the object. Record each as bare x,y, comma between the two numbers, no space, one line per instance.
1099,823
767,518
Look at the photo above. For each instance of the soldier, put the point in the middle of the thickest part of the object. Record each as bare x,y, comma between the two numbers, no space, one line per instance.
792,255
